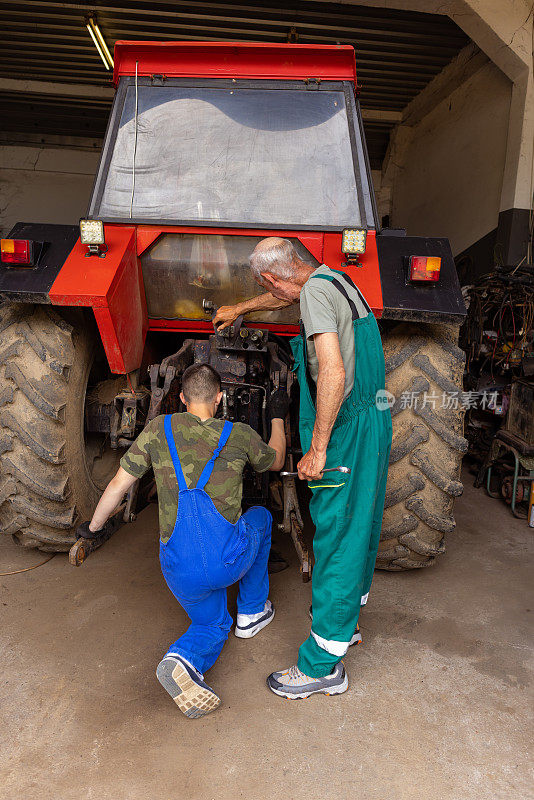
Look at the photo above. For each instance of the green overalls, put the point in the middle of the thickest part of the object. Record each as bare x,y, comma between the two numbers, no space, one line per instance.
346,509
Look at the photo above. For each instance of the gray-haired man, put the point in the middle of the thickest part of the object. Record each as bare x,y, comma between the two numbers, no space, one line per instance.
340,367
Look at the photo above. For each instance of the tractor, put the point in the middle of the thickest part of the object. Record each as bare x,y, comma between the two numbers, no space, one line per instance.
209,148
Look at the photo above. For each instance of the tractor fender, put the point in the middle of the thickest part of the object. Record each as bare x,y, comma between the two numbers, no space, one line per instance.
112,285
439,302
32,284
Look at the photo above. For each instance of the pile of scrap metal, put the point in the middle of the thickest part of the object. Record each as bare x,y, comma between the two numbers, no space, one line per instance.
498,338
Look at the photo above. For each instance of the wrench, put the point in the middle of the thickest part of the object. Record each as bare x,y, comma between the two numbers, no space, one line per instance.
345,470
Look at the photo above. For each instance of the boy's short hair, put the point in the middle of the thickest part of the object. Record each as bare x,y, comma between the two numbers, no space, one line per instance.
200,383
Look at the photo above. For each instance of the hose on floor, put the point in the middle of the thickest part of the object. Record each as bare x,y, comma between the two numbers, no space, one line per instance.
27,569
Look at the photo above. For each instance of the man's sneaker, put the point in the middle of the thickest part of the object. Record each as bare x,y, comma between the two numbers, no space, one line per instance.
276,563
294,684
248,625
186,686
357,637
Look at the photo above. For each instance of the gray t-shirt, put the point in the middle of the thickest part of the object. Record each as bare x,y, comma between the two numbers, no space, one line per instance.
323,309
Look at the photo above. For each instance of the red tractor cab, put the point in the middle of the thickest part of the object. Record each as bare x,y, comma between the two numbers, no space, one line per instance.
210,147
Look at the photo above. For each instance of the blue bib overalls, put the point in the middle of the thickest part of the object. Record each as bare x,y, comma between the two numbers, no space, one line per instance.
205,554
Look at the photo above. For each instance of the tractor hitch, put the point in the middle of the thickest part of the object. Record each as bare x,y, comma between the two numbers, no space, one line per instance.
84,547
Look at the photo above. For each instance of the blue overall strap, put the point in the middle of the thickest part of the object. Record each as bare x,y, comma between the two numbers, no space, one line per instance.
174,453
208,469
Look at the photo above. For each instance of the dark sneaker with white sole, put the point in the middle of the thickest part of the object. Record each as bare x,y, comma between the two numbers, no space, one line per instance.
186,686
248,625
294,684
276,563
357,637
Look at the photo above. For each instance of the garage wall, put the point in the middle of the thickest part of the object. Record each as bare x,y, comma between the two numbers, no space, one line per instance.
39,184
452,171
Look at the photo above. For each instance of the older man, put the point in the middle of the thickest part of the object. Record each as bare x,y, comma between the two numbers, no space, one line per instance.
340,368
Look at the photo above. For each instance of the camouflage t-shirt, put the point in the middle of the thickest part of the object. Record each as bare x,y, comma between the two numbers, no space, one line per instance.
196,440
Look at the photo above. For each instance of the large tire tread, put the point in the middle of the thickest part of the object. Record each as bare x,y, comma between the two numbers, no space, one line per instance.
43,490
427,447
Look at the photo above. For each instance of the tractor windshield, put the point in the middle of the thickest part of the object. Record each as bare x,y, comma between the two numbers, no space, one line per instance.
277,157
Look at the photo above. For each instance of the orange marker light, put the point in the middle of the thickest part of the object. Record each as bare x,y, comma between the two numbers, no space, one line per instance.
17,251
424,268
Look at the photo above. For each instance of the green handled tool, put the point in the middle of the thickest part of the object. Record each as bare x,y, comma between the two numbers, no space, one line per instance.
345,470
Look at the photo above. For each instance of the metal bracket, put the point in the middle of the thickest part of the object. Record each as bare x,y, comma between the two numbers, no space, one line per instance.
292,521
124,422
158,393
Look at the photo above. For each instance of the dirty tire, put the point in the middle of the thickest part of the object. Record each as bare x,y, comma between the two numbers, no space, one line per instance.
428,444
45,483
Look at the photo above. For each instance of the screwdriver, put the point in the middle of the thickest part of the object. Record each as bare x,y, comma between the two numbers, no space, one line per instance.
345,470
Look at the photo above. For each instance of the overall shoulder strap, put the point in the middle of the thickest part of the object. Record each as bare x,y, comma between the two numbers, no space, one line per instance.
339,286
360,295
208,469
174,453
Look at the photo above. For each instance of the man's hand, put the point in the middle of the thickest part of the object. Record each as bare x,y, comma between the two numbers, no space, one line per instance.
226,316
88,531
278,404
85,531
311,465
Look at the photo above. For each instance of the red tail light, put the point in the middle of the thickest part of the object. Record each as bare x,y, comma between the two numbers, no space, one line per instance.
424,268
17,251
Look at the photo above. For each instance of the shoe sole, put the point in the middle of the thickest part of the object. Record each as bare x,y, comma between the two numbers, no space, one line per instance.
334,690
248,633
193,700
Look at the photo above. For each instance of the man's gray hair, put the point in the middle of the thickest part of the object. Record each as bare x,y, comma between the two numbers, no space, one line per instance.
278,258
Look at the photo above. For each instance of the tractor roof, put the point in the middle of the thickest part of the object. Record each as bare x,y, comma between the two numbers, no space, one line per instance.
248,60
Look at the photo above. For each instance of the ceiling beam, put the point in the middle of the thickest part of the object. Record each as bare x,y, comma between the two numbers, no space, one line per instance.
52,88
381,115
103,93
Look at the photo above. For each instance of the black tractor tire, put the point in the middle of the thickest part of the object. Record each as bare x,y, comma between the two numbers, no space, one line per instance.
46,476
428,443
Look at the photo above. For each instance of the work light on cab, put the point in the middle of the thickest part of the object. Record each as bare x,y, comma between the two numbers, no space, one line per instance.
424,268
353,241
92,234
19,252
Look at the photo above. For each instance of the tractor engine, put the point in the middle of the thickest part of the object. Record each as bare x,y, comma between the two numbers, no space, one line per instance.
250,367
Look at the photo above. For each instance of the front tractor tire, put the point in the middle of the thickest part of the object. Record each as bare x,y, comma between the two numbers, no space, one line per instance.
51,473
424,368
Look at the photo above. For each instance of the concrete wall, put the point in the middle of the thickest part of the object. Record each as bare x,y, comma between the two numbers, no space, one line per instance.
39,184
451,176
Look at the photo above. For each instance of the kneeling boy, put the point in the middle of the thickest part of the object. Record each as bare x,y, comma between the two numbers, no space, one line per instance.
205,543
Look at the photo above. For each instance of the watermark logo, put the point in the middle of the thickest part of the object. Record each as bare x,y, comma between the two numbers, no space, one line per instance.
449,400
384,400
445,400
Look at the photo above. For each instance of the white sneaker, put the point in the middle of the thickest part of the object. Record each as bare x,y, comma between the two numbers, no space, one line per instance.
294,684
186,686
248,625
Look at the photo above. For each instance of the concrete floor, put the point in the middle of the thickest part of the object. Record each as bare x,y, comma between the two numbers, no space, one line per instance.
438,704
